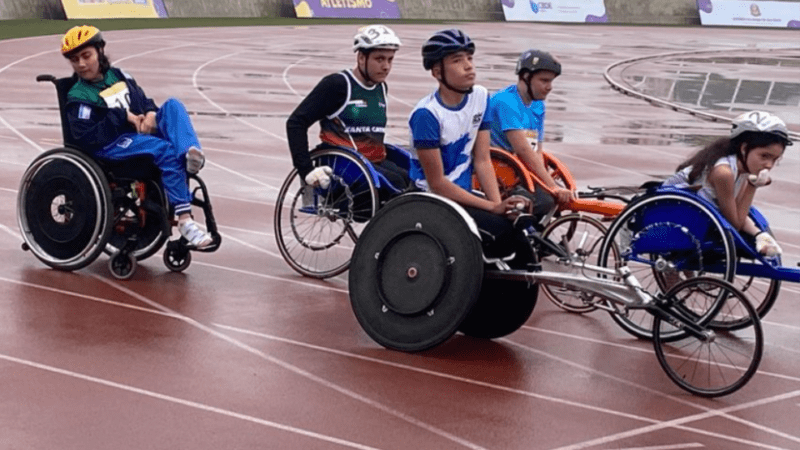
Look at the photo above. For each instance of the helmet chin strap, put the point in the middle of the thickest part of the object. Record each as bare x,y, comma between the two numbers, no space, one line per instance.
449,86
365,71
528,86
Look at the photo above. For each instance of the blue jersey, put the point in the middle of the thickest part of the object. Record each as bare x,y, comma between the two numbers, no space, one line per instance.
450,129
507,112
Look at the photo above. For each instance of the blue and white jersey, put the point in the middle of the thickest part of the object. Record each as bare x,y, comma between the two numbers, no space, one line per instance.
508,112
450,129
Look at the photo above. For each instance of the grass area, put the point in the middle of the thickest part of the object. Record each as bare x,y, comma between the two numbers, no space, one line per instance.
18,28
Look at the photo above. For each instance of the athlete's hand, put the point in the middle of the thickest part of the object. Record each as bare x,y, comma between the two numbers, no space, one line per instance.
767,245
515,205
762,179
148,124
563,196
320,176
135,120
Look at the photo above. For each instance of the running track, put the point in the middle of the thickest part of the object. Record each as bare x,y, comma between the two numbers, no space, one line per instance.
239,352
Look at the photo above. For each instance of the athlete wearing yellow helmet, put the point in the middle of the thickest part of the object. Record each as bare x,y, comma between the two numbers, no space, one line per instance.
110,116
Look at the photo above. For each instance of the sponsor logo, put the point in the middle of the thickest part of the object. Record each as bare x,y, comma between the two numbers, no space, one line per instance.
476,119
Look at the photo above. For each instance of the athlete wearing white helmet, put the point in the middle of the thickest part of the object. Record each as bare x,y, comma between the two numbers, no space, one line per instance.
730,169
351,108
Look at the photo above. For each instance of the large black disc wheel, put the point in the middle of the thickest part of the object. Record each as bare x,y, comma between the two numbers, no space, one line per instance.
416,272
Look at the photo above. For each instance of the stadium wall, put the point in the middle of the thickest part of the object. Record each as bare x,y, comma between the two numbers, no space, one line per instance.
659,12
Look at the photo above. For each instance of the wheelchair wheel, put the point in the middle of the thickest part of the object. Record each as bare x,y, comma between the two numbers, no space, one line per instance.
665,239
760,292
177,258
150,226
583,236
706,360
503,306
416,272
63,209
316,228
122,265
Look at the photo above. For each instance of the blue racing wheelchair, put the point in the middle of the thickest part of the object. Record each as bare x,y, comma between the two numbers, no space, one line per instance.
72,207
669,234
316,228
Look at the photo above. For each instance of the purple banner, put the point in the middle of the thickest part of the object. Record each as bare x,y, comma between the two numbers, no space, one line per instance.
361,9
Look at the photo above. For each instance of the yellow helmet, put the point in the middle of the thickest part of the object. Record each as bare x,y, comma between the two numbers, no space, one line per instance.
78,37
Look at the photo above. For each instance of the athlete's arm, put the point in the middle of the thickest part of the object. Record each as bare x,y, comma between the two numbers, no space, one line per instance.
535,161
734,208
325,99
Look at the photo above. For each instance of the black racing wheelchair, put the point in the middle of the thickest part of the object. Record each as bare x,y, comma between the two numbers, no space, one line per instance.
72,207
418,275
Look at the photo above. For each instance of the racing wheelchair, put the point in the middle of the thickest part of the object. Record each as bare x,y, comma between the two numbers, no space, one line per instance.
418,275
584,223
315,227
671,234
72,207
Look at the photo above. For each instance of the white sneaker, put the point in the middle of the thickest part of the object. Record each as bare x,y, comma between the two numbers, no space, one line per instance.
194,160
192,233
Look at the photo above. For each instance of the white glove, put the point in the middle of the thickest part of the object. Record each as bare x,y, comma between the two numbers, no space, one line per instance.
767,245
320,176
762,179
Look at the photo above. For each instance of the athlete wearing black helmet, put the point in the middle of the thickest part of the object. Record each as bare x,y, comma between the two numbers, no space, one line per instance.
450,141
516,114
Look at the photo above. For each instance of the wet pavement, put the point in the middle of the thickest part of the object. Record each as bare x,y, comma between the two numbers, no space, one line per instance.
240,352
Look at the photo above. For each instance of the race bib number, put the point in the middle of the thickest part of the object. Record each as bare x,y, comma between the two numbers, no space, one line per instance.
117,96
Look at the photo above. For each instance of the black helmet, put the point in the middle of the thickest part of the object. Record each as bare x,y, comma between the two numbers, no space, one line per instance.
536,60
443,43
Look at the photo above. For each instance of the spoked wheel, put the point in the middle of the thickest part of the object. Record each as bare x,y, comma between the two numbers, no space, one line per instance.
63,209
707,360
665,239
316,228
761,293
122,265
583,236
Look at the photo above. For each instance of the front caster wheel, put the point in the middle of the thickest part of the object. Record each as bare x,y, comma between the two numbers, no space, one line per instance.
176,259
122,265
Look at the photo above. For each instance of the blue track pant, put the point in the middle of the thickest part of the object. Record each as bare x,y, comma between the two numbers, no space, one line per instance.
168,149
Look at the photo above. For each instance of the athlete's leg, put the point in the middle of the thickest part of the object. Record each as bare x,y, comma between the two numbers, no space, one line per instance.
499,238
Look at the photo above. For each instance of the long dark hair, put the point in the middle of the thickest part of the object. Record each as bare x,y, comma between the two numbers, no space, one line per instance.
704,159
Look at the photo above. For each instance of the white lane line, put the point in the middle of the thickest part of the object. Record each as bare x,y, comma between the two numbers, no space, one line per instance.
672,423
680,426
292,368
187,403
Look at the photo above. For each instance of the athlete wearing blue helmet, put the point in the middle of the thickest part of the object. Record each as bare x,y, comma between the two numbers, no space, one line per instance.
450,141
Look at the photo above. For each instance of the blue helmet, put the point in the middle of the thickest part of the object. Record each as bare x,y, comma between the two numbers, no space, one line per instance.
443,43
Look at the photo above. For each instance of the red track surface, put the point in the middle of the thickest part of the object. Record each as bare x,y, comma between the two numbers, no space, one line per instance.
240,352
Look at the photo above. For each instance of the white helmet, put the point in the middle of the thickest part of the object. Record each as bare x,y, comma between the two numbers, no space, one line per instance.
760,122
375,36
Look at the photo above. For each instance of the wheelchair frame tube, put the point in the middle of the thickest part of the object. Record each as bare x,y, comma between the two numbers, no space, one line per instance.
580,276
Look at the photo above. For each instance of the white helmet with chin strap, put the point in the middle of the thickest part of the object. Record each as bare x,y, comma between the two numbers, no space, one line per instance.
760,122
375,37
